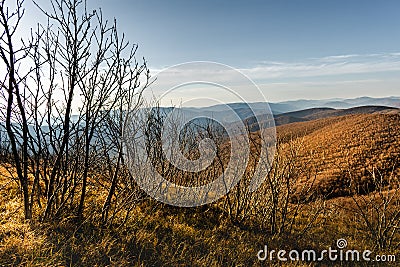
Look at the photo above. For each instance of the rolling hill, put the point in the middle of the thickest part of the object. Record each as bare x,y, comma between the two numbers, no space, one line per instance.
345,152
337,152
316,113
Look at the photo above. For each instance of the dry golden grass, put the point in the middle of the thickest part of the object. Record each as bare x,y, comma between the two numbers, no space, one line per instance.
347,151
161,235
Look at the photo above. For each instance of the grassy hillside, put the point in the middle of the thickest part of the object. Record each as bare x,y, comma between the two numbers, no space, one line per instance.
348,151
348,164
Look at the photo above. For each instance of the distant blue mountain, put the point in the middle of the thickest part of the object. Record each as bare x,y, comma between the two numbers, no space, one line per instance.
245,110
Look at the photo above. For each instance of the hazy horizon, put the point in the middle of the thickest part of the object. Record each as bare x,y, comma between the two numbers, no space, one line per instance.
295,100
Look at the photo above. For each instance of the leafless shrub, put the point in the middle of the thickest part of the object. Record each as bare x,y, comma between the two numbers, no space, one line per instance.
284,197
377,212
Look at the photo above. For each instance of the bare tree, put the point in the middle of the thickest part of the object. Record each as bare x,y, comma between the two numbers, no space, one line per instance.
13,54
284,196
83,78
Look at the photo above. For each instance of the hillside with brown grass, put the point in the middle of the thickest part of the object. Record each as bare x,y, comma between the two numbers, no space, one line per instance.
95,170
347,152
332,178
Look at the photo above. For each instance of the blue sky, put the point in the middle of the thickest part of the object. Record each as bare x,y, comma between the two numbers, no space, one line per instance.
292,49
242,33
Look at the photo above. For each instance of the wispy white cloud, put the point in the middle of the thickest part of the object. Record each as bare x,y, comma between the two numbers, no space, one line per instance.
333,76
349,56
312,67
325,66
